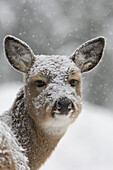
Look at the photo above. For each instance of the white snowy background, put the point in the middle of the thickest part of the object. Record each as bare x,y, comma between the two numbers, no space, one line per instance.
88,143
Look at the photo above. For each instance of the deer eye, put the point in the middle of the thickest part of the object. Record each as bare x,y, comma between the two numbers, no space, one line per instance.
40,83
73,82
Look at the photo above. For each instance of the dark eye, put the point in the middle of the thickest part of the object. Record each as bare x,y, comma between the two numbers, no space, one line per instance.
40,83
73,82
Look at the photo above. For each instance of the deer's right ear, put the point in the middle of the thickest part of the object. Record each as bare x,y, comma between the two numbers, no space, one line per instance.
88,55
18,53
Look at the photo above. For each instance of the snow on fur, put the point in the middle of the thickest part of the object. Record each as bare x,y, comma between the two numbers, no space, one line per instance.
11,147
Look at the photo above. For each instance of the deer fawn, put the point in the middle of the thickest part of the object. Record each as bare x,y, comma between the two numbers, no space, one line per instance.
48,103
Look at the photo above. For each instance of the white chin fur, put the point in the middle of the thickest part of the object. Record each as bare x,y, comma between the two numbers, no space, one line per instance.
57,125
64,117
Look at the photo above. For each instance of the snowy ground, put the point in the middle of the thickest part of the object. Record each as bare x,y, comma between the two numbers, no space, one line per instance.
88,144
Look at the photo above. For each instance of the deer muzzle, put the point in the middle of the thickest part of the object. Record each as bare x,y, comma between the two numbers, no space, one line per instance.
62,106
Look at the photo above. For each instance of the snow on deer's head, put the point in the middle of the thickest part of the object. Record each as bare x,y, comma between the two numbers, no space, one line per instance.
53,82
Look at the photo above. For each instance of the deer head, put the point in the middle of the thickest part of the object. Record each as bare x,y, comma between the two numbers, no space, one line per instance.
53,82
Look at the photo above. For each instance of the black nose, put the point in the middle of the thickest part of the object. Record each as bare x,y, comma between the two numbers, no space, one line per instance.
63,105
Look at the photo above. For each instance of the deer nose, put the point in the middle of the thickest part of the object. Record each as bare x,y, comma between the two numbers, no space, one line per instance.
63,105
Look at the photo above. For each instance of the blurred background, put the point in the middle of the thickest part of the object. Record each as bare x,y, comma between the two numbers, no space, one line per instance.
59,27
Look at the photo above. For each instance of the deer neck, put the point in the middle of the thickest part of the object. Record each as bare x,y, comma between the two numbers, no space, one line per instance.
37,143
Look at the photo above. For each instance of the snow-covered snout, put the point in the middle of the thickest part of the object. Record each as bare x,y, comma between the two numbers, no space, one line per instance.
53,83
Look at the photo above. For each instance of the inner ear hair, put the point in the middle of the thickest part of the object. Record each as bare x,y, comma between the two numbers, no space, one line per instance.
18,53
88,55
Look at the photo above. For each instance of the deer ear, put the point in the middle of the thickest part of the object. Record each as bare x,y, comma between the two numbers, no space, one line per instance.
87,56
18,53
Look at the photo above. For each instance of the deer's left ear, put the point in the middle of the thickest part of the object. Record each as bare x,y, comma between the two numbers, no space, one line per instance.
88,55
18,53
